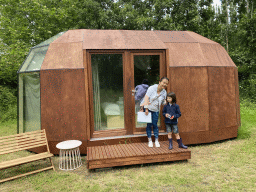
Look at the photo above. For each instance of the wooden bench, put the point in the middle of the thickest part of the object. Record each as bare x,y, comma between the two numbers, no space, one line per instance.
24,141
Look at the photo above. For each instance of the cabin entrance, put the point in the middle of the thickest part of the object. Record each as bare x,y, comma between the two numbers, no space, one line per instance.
114,76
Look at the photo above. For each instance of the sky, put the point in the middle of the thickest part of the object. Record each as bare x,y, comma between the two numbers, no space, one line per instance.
216,2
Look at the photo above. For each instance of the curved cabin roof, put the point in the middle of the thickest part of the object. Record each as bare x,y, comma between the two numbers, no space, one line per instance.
185,48
190,49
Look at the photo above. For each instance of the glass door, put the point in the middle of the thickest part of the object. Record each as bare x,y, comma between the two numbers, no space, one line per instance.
147,71
108,94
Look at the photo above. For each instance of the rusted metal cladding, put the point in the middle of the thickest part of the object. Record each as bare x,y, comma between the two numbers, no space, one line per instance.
63,56
198,54
63,105
209,101
190,84
216,55
185,54
223,103
121,39
175,36
182,37
200,38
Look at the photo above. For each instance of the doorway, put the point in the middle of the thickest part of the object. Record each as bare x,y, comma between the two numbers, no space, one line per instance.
113,76
149,66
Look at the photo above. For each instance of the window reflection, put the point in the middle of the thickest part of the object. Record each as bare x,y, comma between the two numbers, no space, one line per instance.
145,67
108,101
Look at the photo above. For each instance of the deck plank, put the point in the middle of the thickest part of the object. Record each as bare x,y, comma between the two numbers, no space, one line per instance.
107,152
118,151
100,153
142,149
103,152
145,148
110,152
159,149
136,150
96,152
126,150
151,150
119,148
113,151
131,151
166,146
93,153
88,153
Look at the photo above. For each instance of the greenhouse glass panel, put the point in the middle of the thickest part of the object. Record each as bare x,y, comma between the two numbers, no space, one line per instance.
29,102
34,60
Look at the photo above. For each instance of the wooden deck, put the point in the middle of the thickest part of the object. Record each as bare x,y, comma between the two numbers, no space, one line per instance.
134,153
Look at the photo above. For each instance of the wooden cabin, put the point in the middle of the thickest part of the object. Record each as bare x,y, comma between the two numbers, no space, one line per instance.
78,85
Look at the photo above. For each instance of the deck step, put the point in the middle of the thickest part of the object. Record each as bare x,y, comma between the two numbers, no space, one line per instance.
133,153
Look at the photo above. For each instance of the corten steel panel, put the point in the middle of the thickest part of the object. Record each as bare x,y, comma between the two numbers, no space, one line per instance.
225,133
63,104
102,39
70,36
195,137
185,54
121,39
175,37
63,56
216,55
222,98
142,40
200,38
190,84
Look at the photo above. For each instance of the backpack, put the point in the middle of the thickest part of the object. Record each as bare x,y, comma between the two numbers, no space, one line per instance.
140,91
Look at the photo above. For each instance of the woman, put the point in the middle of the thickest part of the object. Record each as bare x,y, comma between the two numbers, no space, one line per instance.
155,96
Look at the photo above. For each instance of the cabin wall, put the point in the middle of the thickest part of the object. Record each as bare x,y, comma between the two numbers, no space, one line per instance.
190,84
63,106
222,97
209,102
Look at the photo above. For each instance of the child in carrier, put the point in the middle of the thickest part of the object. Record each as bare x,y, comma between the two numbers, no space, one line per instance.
171,112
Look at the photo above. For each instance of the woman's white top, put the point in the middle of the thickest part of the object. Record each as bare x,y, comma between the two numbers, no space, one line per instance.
152,94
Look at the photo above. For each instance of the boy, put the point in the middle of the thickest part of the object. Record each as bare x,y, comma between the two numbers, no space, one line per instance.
171,112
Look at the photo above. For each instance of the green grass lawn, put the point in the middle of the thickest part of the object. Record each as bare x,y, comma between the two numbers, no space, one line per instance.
228,165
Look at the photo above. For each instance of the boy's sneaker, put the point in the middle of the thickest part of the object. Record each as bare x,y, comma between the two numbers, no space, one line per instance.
150,144
157,144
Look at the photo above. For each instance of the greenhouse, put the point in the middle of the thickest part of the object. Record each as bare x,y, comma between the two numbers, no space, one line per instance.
29,87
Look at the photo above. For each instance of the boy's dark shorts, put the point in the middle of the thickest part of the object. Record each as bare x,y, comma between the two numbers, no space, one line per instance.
171,128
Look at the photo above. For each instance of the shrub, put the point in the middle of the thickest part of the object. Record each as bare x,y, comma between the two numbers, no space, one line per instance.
8,104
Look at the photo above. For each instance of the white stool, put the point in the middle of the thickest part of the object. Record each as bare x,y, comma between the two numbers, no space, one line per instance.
70,158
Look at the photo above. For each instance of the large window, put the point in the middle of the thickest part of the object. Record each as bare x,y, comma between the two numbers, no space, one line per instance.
108,97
